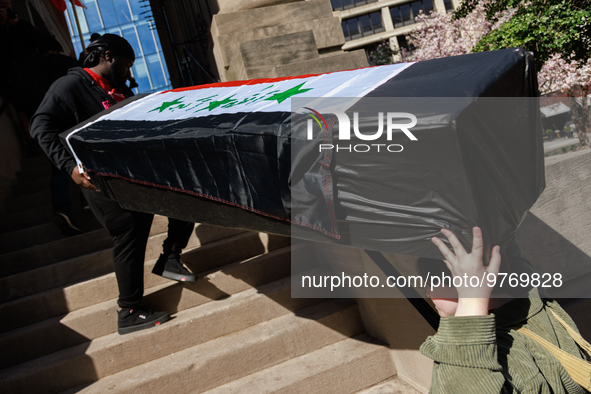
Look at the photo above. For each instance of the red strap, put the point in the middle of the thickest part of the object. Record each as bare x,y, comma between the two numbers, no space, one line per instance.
106,85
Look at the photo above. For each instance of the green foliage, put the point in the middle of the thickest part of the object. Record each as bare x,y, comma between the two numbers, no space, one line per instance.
549,131
545,27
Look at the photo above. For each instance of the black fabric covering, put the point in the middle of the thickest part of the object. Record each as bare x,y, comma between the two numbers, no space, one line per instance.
239,159
237,170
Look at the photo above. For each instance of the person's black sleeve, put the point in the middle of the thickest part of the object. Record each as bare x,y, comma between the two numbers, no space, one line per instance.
52,118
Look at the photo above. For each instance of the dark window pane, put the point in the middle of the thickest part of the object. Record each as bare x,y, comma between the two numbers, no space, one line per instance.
345,27
123,12
402,43
130,35
347,4
396,18
376,21
448,5
371,1
92,15
155,69
146,38
405,13
336,5
427,6
365,24
416,7
108,13
353,28
360,2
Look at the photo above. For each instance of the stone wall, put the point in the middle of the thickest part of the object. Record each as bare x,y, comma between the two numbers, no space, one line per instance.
273,38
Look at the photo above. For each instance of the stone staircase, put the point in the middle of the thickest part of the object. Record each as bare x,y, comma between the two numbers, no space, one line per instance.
237,330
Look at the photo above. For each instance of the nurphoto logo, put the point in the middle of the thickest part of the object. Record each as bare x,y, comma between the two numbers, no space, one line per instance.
392,125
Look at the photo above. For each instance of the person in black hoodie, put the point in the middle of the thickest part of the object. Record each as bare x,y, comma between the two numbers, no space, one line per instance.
82,93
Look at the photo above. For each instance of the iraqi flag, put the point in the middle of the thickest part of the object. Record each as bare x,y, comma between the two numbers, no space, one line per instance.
232,154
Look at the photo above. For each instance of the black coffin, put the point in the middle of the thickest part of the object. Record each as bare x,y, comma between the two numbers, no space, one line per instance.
240,168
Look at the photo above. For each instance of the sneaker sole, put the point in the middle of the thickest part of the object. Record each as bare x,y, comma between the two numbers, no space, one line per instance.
178,277
138,327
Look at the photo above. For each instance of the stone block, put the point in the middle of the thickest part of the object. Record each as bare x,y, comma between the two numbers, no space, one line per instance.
269,16
236,71
260,56
339,62
227,6
327,34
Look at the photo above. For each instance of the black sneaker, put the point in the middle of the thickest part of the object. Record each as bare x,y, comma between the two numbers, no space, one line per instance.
171,267
64,223
135,319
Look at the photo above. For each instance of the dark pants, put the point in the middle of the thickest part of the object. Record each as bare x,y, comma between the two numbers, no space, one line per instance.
60,191
179,233
60,195
130,231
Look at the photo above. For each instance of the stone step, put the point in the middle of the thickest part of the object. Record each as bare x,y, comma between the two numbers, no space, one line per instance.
341,368
34,186
33,173
61,300
339,62
41,234
25,202
55,275
23,260
390,386
40,195
48,232
36,161
204,324
239,354
98,320
63,248
20,220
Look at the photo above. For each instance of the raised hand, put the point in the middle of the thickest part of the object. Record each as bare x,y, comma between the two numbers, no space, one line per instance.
475,288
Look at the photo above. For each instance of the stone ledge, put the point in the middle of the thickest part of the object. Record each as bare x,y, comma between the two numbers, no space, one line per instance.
338,62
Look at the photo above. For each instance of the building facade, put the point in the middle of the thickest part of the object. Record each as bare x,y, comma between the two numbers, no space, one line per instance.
367,23
133,20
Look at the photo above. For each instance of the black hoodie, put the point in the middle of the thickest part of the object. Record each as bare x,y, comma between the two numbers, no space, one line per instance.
70,100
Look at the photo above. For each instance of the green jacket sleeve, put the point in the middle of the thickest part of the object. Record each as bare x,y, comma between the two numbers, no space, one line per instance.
465,354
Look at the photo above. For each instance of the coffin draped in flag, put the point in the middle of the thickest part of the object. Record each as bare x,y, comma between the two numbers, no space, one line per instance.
269,154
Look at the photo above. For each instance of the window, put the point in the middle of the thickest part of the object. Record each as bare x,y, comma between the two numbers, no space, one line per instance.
362,26
449,7
406,49
405,14
339,5
379,53
127,19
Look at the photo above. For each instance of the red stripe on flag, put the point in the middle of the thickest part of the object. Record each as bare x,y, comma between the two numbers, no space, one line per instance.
253,81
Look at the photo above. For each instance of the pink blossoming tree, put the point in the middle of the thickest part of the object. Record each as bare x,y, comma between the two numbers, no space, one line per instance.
442,35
